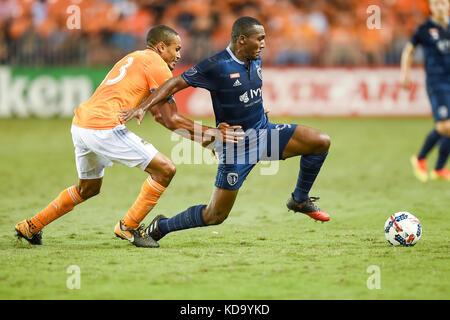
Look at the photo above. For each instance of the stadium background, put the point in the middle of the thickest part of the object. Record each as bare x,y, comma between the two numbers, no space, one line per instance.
322,67
315,62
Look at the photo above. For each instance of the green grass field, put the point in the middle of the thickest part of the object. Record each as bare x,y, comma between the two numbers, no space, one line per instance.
260,252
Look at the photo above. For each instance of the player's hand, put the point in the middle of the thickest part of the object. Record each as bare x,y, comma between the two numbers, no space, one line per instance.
226,133
127,115
266,111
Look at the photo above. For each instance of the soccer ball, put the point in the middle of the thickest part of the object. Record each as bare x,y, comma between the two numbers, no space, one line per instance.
402,229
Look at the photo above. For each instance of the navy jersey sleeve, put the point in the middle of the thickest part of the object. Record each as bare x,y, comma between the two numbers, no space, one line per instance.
416,39
203,75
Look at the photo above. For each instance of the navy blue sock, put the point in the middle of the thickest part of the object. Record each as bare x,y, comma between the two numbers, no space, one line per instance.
444,151
309,169
190,218
431,140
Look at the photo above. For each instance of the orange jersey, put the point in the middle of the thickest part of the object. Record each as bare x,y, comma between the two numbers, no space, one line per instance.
124,87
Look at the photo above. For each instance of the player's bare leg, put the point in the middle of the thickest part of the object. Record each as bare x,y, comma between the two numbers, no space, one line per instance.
313,146
443,127
88,188
306,140
219,206
161,170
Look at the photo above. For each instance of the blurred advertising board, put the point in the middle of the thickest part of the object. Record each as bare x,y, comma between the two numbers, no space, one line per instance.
287,91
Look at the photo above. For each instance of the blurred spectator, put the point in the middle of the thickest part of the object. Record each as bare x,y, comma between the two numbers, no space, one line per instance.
4,48
299,32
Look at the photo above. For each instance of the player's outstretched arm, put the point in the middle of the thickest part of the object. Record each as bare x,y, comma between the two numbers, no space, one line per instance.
166,113
406,62
164,92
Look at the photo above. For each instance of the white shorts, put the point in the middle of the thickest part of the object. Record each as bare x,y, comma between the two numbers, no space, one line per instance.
97,149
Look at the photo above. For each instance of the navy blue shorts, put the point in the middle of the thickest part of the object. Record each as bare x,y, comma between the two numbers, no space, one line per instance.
439,96
272,141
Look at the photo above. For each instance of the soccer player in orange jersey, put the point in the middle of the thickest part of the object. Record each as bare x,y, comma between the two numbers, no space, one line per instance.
100,138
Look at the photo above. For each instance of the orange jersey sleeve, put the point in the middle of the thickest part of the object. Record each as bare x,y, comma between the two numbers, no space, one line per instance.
124,87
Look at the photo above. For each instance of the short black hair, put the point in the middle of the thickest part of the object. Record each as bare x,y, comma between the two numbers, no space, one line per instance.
243,26
160,33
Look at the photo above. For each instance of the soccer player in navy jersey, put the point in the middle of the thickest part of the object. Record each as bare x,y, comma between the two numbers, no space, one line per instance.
434,36
234,80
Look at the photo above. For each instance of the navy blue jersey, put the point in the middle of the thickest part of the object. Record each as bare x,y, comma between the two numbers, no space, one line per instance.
236,90
436,45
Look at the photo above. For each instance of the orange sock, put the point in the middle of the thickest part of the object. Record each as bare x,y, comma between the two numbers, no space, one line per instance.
147,199
64,203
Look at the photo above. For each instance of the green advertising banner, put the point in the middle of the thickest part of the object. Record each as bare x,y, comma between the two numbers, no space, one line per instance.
46,92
